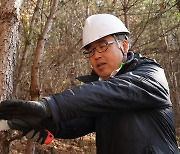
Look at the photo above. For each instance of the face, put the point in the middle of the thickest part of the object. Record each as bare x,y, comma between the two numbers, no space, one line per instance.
106,62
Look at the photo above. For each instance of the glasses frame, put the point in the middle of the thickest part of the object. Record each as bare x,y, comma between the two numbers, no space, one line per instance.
90,53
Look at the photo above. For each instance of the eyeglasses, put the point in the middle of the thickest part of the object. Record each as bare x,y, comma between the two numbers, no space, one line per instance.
101,47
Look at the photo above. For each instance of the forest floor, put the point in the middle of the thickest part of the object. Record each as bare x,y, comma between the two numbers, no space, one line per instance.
84,145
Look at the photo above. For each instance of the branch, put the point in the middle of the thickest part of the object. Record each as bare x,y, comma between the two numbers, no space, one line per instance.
26,48
34,90
143,28
151,20
165,33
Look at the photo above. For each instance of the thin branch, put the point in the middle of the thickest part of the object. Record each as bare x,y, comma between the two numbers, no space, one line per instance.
165,34
34,90
26,48
136,2
143,28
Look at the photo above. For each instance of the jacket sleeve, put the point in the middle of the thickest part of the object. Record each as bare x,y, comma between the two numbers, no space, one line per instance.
142,88
69,129
74,128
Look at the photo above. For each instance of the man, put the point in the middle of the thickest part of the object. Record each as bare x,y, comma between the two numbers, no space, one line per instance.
125,99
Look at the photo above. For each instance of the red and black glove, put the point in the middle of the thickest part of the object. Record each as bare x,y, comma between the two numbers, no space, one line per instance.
40,135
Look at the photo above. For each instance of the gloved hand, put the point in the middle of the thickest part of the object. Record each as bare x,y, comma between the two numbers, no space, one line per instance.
24,114
40,135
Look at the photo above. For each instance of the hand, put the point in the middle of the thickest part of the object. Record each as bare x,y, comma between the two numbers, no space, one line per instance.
24,114
40,135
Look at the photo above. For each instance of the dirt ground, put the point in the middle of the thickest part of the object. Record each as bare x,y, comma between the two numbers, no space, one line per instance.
84,145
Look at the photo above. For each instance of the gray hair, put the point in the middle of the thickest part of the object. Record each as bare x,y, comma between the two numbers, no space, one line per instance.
121,36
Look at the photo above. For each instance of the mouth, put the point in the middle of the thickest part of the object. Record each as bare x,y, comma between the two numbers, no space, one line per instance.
101,65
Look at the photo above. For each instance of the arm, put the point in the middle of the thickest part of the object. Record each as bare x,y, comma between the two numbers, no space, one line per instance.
143,88
69,129
76,128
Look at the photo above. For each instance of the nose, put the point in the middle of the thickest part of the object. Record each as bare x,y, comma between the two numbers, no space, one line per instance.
97,54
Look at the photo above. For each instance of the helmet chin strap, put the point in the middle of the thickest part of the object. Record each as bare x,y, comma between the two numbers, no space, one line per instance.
122,50
120,46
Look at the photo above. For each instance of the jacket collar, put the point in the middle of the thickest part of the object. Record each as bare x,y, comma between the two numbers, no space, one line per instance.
131,57
88,78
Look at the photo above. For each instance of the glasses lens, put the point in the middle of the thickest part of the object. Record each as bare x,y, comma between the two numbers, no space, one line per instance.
102,47
87,53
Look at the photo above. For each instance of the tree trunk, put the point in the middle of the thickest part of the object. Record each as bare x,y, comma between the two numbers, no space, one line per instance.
34,89
26,48
9,22
125,10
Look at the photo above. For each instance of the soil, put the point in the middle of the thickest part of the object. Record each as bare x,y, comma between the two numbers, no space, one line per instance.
84,145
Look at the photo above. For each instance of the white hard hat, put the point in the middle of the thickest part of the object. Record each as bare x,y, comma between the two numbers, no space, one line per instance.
101,25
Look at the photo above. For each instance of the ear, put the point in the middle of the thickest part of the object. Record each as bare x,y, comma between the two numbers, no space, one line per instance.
125,46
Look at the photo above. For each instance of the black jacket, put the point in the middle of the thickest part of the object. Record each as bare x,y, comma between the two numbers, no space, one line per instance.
131,113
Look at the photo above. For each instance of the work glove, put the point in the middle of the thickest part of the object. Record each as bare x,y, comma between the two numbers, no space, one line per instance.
24,114
40,135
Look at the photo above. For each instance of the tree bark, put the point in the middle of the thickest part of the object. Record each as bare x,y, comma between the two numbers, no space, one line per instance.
125,10
34,89
9,21
26,48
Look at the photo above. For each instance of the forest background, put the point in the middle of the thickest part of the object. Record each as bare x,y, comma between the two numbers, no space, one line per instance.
154,27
